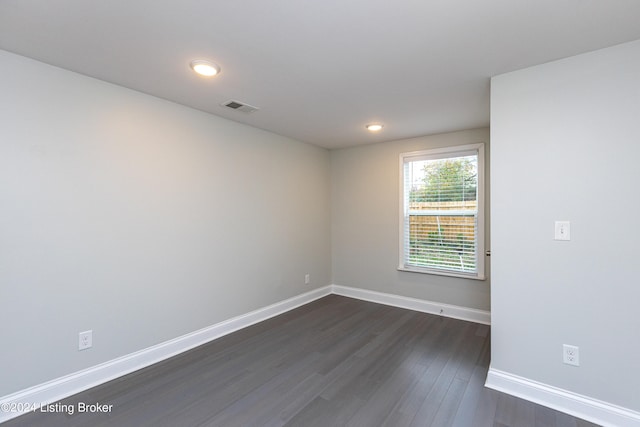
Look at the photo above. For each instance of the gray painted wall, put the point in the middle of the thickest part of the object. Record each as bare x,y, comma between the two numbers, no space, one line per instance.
365,218
140,219
565,146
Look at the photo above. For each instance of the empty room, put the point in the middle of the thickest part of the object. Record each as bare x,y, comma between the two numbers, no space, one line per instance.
290,213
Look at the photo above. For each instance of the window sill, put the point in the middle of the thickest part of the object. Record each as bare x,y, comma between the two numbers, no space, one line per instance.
441,273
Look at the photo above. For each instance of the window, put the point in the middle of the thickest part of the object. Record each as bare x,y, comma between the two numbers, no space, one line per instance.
442,211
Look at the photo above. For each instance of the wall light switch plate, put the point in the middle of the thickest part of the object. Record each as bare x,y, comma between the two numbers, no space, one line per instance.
563,230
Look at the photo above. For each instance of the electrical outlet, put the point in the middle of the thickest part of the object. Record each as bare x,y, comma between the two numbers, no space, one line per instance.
307,279
571,355
85,340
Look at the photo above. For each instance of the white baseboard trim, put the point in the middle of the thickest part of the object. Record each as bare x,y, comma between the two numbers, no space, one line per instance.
63,387
447,310
52,391
580,406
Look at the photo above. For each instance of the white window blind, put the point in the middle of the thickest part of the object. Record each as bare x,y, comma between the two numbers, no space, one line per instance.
442,211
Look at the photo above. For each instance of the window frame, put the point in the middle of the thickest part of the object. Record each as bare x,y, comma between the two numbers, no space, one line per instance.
443,153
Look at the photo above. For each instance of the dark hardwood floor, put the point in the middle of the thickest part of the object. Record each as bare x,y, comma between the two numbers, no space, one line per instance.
334,362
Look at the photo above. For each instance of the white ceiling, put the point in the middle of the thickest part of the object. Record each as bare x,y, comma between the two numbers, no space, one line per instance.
319,70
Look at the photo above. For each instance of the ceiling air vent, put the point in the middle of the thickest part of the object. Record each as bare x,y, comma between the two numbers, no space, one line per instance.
239,106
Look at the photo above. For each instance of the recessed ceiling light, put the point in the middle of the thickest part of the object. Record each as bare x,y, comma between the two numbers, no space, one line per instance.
374,127
205,68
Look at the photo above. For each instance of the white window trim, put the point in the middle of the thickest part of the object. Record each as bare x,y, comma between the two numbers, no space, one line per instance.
440,153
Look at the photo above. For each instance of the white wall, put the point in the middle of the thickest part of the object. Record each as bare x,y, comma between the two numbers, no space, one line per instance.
365,209
140,219
565,145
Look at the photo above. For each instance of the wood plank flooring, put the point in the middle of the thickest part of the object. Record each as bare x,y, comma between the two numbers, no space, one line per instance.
334,362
